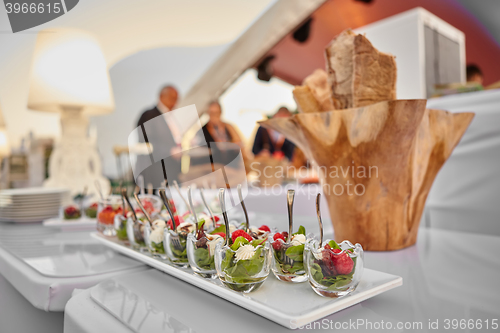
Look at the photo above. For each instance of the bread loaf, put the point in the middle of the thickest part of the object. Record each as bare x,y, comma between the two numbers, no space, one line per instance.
358,73
320,88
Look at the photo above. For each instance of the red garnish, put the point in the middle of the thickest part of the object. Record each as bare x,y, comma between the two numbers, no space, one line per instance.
277,243
265,228
222,234
241,233
177,219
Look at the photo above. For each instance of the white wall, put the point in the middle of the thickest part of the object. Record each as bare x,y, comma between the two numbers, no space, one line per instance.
136,81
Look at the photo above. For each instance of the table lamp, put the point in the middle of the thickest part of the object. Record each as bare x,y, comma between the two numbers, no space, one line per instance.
69,75
4,153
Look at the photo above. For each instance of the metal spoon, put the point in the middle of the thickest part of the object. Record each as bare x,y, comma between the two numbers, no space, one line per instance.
124,196
240,195
163,196
222,201
207,206
176,185
191,207
289,198
142,208
318,212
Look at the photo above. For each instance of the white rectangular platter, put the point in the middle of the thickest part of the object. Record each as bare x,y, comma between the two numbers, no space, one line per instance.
290,305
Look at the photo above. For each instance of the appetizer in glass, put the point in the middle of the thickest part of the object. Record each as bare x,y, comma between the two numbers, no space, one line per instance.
107,209
175,236
288,250
334,270
242,262
201,245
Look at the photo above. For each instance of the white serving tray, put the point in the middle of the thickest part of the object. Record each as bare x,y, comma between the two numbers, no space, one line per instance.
83,223
278,301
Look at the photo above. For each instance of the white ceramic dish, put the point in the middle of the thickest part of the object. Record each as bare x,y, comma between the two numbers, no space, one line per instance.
286,304
83,223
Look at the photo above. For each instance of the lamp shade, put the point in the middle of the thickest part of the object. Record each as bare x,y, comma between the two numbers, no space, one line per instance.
4,142
69,70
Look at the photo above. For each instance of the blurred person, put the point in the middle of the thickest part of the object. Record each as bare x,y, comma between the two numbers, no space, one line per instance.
270,142
215,130
474,74
165,136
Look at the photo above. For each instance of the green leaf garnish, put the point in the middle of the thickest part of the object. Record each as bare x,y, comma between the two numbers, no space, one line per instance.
301,230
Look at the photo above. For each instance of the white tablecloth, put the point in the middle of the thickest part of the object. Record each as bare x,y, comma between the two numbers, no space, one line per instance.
466,193
442,279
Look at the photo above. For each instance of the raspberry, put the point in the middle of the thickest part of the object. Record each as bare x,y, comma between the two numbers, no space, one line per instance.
343,263
277,243
178,220
265,228
71,210
222,234
285,235
280,236
216,218
241,233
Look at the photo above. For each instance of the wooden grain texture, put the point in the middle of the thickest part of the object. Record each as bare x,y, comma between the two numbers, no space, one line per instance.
400,142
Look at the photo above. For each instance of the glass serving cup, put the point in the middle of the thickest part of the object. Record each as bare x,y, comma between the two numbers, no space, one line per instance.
201,255
328,271
151,203
70,212
91,210
175,247
135,234
288,261
106,211
154,238
243,275
120,223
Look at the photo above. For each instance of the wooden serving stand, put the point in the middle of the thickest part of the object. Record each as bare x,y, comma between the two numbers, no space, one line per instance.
399,144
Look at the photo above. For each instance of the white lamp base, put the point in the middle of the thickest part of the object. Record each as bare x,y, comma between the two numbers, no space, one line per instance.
75,162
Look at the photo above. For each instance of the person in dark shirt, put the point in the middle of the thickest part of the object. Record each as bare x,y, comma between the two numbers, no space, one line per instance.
165,138
474,74
271,142
215,130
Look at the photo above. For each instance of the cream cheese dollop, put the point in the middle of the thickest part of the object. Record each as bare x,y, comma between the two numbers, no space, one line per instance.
318,255
244,252
298,239
158,224
187,226
212,242
156,236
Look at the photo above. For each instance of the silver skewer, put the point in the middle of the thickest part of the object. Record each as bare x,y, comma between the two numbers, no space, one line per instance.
289,198
207,206
320,222
222,201
240,195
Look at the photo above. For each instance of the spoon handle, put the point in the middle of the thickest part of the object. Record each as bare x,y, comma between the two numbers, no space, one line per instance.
125,196
222,201
163,196
142,208
289,198
207,206
318,212
191,207
240,195
176,185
